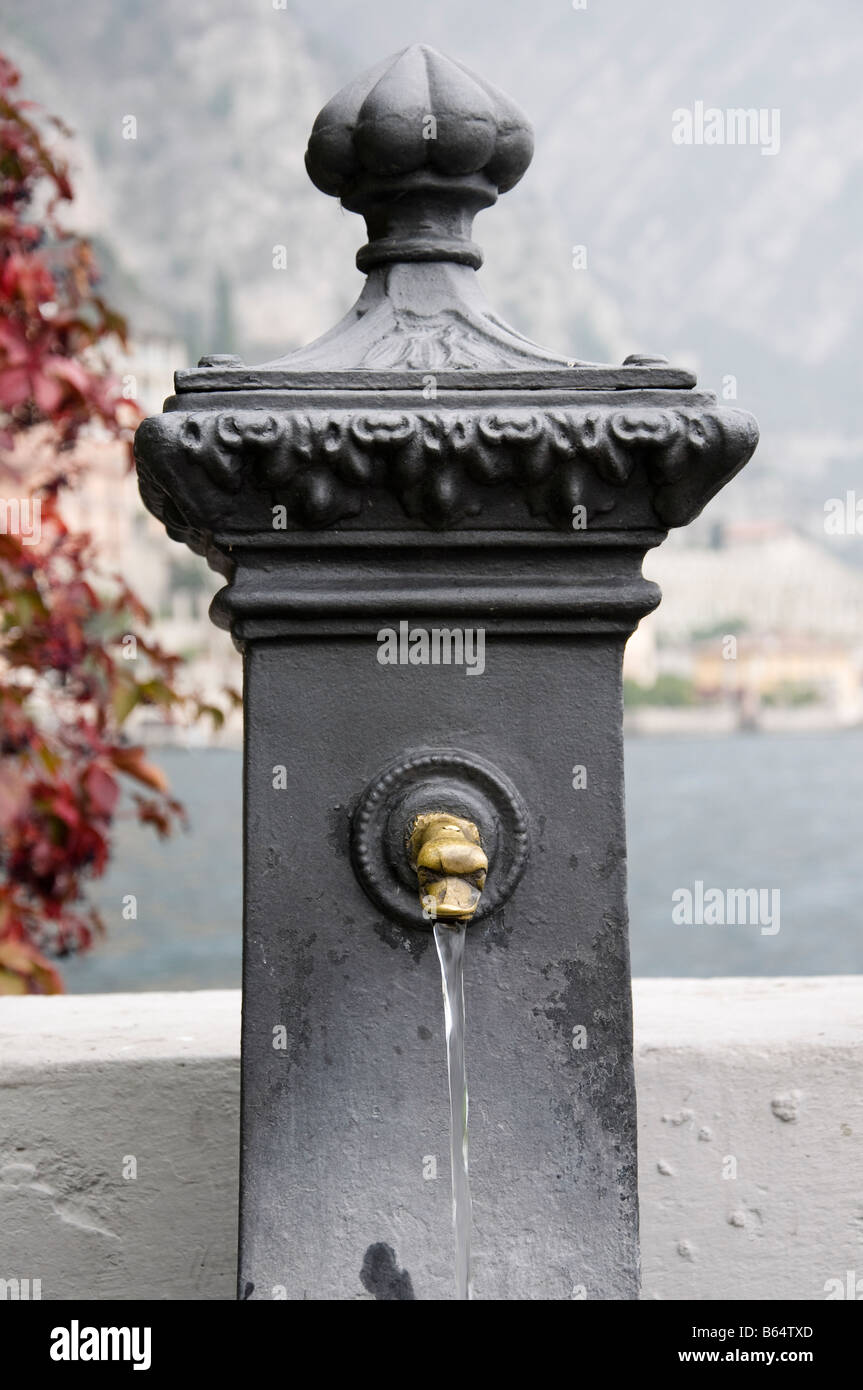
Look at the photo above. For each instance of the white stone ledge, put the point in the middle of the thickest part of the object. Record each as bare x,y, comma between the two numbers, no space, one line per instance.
765,1072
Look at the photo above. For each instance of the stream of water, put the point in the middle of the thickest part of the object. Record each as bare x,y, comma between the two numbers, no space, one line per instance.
450,948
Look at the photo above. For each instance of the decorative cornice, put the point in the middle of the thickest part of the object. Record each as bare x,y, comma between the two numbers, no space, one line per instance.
626,464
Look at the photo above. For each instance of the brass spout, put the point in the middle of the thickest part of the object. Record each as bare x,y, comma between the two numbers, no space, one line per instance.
450,864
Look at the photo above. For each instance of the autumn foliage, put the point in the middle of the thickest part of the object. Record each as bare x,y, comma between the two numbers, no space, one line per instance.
66,629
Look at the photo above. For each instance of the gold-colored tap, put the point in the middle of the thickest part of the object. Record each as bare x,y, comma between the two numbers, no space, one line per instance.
450,864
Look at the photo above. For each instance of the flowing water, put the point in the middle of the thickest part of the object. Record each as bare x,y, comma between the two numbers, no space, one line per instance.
450,948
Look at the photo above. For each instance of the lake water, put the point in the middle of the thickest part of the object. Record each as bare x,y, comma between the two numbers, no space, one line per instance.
741,811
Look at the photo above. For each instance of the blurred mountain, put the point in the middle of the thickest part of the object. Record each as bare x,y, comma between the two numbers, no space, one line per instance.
738,263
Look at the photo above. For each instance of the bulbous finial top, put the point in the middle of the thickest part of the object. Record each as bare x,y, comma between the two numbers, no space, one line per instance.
419,127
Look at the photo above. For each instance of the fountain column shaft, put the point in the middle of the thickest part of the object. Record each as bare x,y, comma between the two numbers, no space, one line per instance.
339,1126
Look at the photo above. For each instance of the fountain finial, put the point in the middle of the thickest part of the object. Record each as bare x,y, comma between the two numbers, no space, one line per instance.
418,145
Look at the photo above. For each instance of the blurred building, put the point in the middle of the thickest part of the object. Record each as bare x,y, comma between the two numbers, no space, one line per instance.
787,671
763,618
761,576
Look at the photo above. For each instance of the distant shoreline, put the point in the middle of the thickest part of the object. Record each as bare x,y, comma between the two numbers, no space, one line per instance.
713,721
654,721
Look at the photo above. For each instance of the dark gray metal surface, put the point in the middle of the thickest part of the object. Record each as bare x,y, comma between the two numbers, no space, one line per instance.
425,463
336,1127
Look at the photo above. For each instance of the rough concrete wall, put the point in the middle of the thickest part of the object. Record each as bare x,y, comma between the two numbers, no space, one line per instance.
765,1072
88,1082
758,1078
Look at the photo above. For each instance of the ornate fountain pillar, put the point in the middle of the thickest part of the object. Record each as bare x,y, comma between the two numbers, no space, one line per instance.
432,532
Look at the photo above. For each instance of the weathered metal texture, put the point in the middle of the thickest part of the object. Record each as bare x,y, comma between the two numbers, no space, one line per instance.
423,463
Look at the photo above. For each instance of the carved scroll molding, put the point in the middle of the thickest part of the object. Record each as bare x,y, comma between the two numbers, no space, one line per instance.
625,465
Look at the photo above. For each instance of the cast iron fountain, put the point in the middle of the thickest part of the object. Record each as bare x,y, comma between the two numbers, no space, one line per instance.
424,471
